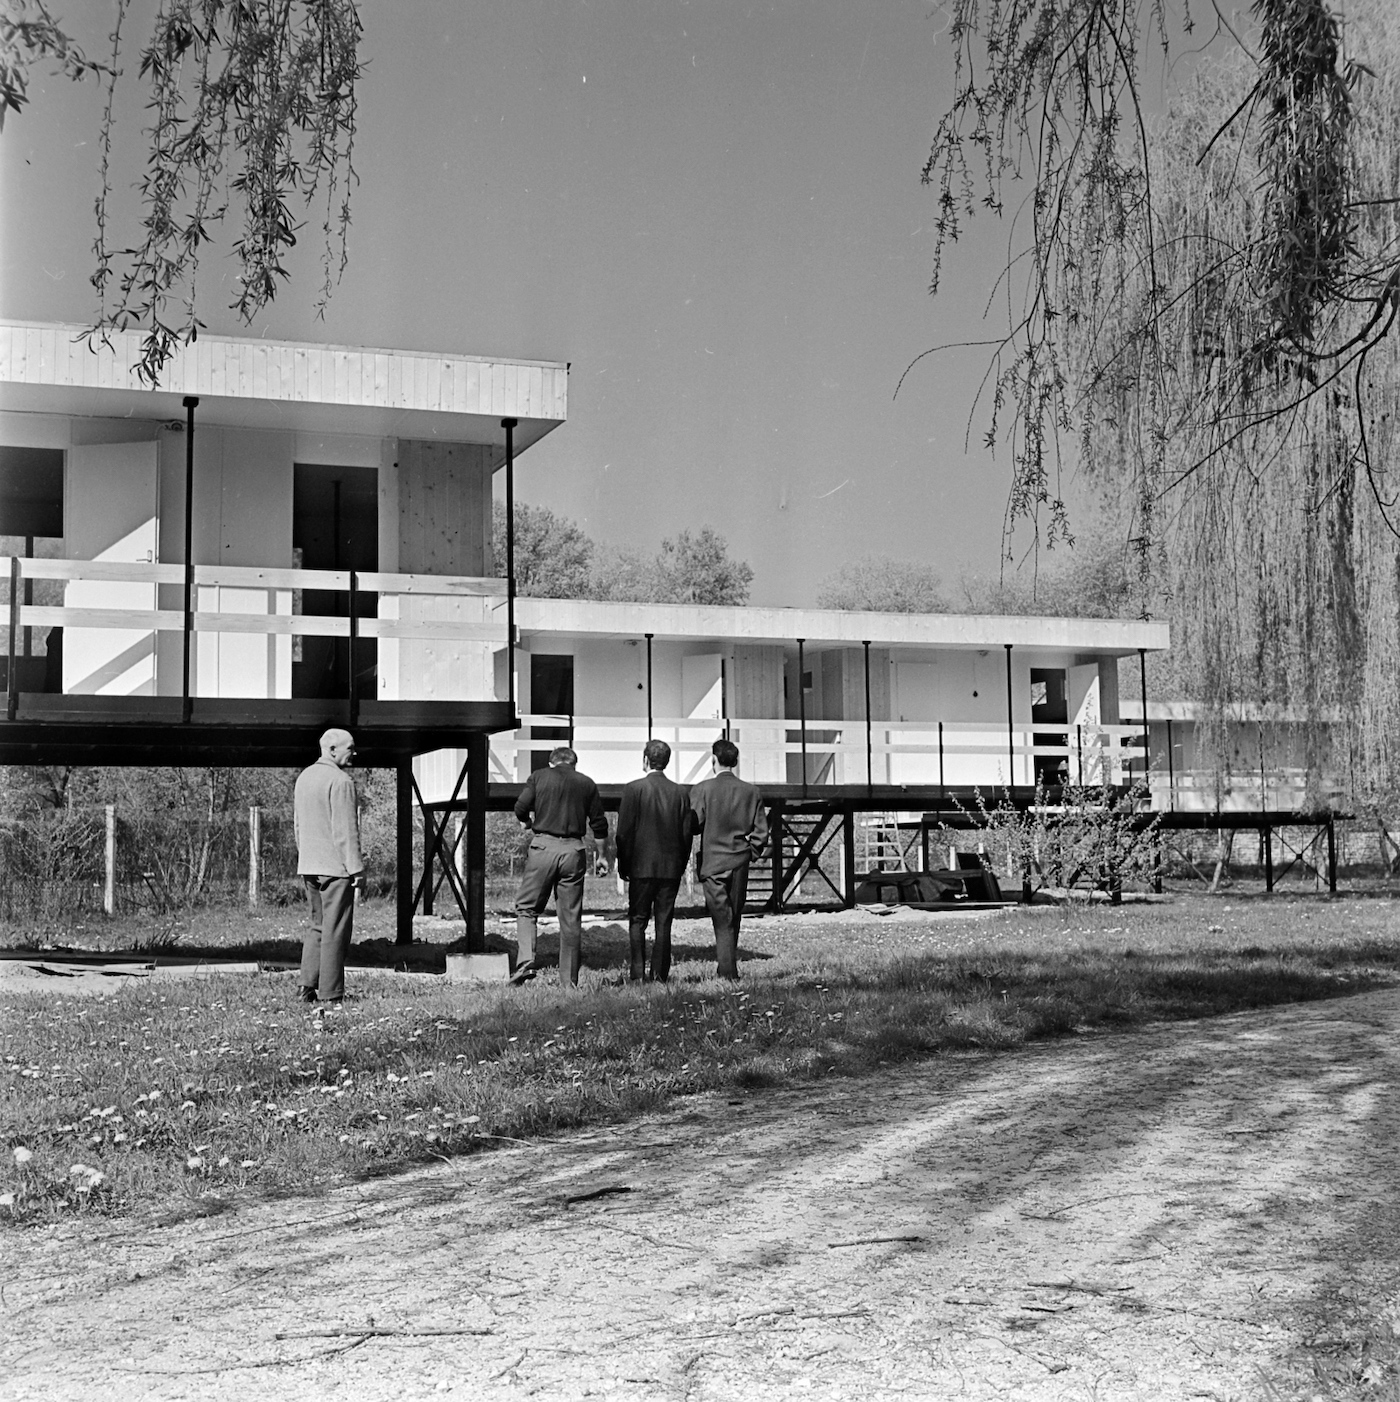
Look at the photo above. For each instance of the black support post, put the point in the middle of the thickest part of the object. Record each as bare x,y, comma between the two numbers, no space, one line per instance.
1146,733
1010,731
848,848
1171,769
430,830
186,703
12,675
869,746
802,708
403,851
650,716
1331,854
775,832
1268,858
509,426
28,597
350,665
478,760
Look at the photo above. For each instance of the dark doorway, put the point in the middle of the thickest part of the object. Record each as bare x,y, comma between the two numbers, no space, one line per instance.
31,505
1050,706
551,694
335,526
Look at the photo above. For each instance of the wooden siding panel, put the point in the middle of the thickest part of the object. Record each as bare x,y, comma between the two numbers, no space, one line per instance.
444,508
758,682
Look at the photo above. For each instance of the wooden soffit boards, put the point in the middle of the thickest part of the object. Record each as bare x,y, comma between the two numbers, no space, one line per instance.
241,382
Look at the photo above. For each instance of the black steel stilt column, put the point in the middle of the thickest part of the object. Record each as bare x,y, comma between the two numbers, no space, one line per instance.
186,703
802,708
649,637
12,676
1146,733
403,851
869,748
1171,769
509,426
1010,730
848,849
478,759
430,839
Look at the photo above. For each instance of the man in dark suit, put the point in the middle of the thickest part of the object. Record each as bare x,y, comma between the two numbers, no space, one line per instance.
558,803
733,831
653,846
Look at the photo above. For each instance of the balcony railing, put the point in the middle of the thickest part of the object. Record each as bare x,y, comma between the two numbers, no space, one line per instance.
776,749
112,609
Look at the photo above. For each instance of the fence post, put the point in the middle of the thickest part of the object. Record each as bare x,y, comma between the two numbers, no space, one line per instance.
109,864
254,855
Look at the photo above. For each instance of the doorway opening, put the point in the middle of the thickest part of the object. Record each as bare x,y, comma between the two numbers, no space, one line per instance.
335,526
1050,706
551,694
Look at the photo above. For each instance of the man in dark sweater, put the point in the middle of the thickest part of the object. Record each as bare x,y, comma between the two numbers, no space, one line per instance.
733,831
653,846
557,803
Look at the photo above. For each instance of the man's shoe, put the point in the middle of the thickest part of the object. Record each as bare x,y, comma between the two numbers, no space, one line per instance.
307,995
524,972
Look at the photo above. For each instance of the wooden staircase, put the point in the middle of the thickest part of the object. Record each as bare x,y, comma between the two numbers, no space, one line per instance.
797,841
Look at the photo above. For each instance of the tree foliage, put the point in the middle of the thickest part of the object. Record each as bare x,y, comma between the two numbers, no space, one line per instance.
1200,315
252,109
884,585
556,559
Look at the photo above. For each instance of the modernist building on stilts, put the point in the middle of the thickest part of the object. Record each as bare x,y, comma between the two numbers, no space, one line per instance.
283,537
277,539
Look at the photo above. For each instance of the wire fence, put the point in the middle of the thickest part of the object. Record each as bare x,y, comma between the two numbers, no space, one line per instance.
83,861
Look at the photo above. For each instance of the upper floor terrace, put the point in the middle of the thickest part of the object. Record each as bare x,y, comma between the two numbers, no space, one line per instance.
277,537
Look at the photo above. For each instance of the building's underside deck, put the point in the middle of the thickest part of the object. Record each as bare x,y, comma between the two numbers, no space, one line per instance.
151,730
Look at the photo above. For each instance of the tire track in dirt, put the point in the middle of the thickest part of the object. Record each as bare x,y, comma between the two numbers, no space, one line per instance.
1158,1214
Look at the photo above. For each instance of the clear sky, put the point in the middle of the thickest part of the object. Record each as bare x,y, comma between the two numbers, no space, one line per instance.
712,209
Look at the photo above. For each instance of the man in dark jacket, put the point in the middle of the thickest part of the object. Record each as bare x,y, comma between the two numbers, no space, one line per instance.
653,847
557,803
733,831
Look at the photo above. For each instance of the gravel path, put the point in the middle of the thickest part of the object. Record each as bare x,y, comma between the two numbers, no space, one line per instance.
1180,1212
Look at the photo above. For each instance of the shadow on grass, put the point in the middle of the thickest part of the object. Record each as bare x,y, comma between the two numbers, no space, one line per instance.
409,1072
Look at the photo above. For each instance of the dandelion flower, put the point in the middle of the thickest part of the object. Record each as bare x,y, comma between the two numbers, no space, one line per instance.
194,1161
22,1155
7,1199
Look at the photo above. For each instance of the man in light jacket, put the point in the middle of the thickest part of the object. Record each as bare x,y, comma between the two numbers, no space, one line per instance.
329,861
653,847
733,831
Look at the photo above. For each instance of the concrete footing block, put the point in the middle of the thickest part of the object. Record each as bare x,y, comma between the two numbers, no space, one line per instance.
478,968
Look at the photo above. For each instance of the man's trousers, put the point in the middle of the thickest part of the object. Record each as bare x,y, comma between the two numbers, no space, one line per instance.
553,866
325,944
724,899
649,896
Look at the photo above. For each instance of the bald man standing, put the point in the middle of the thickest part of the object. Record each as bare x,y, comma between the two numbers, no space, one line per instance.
329,861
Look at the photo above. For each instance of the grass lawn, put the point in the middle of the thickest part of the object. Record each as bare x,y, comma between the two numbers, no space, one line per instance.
176,1096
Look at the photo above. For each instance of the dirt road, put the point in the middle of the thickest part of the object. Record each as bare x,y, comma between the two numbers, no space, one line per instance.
1180,1212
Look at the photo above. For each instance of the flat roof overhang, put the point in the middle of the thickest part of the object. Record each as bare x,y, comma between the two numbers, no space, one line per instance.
50,368
150,730
581,619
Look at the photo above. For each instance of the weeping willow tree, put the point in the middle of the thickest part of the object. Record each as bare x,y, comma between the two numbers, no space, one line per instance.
1201,307
251,108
